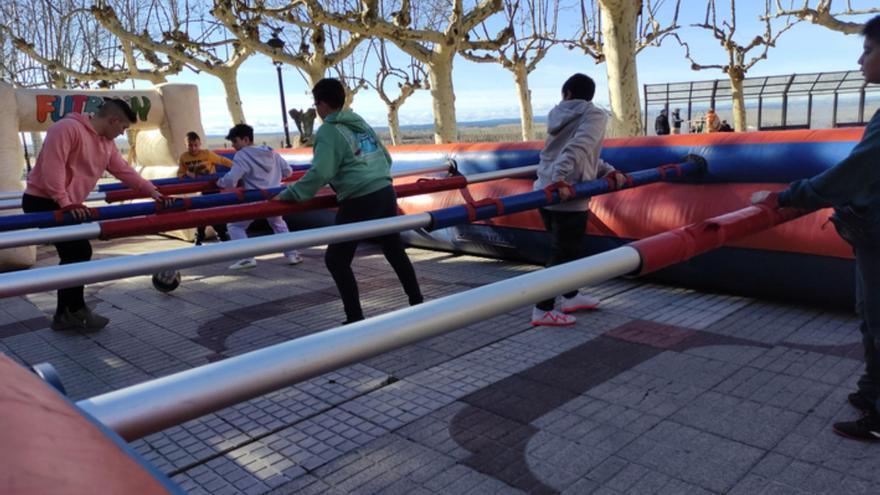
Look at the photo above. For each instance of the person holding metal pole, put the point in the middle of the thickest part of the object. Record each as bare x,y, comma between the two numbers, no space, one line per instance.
255,167
196,162
350,157
78,149
575,129
851,187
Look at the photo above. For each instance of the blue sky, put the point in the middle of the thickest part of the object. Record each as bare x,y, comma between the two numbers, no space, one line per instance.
486,91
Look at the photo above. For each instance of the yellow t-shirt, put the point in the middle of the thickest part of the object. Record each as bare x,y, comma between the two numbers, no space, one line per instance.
202,163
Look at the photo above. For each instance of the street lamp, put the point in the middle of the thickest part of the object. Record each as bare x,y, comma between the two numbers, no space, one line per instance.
277,44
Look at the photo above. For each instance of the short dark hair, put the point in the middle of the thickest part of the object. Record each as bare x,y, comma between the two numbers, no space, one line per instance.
193,136
330,91
580,87
116,107
241,131
872,29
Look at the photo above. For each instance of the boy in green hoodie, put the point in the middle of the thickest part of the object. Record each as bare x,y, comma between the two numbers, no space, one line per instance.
349,156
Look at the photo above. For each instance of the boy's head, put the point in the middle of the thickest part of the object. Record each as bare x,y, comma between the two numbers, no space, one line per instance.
113,118
193,142
870,59
241,136
579,87
329,96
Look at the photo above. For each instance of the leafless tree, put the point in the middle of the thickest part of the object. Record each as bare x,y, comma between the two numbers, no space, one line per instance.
822,15
185,33
409,78
66,44
738,64
431,32
312,47
533,24
614,32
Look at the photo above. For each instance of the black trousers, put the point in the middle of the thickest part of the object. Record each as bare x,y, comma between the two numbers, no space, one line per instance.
566,230
220,228
379,204
70,298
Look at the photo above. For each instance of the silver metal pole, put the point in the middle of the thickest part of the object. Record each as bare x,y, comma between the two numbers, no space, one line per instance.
152,406
13,203
30,237
56,277
16,238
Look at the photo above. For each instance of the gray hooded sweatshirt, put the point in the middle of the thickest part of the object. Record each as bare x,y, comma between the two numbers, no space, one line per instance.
575,130
257,167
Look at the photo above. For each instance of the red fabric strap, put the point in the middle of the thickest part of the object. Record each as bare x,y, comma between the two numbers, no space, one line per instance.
670,166
472,206
549,190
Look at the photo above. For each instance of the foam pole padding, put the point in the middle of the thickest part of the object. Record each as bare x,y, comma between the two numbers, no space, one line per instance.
455,215
677,245
180,188
184,219
116,186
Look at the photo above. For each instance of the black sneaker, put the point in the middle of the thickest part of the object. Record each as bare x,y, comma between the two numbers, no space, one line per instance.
862,403
866,429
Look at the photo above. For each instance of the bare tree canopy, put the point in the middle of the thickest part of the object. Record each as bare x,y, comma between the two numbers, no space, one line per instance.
723,29
614,32
533,26
185,33
822,14
432,33
61,44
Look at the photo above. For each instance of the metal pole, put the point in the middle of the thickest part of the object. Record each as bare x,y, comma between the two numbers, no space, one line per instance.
283,104
30,237
152,406
13,202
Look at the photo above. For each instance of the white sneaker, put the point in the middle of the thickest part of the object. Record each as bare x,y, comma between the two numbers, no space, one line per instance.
244,264
552,318
294,259
579,302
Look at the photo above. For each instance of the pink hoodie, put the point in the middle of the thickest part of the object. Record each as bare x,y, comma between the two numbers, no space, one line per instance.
72,160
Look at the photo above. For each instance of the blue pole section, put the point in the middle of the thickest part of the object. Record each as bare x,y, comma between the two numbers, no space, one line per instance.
455,215
160,182
48,219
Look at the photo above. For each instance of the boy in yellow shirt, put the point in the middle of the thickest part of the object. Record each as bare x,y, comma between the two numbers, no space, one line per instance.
196,162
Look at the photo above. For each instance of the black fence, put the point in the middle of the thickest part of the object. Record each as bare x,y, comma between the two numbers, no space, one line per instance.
796,101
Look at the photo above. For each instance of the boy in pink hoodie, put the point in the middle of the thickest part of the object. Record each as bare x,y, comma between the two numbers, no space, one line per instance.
77,150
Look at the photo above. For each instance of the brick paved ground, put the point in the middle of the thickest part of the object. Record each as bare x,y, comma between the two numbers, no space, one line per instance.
663,390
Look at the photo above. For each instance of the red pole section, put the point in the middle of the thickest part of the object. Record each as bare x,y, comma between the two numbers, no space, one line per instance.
182,188
683,243
152,224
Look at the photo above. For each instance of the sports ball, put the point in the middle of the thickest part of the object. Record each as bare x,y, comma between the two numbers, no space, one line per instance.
166,281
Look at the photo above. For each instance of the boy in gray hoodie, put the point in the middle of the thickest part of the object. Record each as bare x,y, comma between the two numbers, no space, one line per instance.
256,167
575,130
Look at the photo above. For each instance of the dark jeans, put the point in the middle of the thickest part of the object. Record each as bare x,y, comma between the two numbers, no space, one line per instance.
566,230
868,308
70,298
379,204
220,228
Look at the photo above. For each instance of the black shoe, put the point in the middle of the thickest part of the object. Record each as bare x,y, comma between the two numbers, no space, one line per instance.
866,429
223,237
862,403
81,319
352,320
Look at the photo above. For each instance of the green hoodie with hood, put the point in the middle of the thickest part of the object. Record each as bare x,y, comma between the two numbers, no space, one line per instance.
348,155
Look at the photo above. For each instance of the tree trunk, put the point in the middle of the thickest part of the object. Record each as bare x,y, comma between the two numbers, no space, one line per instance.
233,98
738,99
521,78
394,124
442,95
619,31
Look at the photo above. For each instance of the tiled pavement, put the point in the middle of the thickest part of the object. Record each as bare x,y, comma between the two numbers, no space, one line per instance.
663,390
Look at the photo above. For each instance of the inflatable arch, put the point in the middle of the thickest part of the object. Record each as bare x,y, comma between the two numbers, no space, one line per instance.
165,114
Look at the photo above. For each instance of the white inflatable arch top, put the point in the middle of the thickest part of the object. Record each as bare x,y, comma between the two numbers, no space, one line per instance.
164,113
